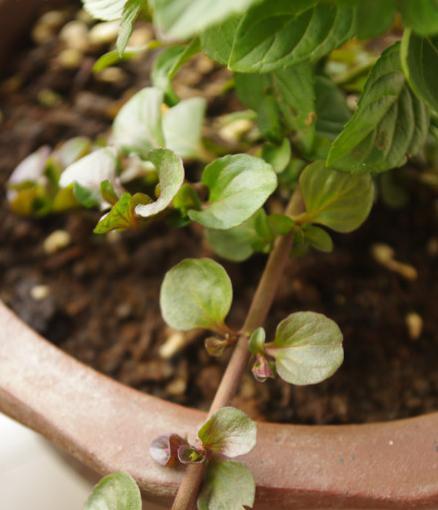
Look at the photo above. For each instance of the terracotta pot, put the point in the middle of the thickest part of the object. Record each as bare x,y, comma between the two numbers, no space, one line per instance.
107,426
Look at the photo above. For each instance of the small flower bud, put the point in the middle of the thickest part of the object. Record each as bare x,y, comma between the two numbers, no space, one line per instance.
262,369
164,449
190,455
215,346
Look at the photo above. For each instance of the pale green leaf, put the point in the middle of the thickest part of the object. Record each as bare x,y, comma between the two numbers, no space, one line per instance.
117,491
228,485
105,9
178,19
389,125
277,155
137,126
196,293
335,199
182,127
91,170
238,186
420,15
171,177
307,348
284,33
229,432
419,57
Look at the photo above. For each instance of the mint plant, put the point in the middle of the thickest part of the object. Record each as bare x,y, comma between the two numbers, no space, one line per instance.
330,115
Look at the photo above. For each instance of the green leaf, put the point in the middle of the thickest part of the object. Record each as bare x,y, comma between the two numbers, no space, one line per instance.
238,186
374,17
277,155
105,9
294,91
137,126
217,41
332,114
117,491
196,293
171,177
228,485
108,193
229,432
284,33
179,19
72,150
182,127
318,238
252,88
419,57
420,15
131,11
337,200
389,125
307,348
118,218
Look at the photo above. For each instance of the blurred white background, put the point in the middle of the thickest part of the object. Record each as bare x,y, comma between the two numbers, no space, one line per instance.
34,477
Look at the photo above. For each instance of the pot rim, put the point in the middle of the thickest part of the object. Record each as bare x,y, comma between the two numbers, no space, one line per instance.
108,426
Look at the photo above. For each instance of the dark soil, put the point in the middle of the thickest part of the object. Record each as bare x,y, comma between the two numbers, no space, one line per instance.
99,296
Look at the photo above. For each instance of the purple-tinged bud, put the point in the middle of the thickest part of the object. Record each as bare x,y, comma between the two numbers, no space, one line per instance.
262,369
164,449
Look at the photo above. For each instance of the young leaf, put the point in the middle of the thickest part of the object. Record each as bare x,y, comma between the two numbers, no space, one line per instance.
164,449
117,491
131,11
277,155
196,293
419,57
318,238
190,455
389,125
238,186
374,17
137,126
88,198
119,217
179,19
337,200
72,150
228,485
284,33
171,177
307,348
89,171
256,342
237,243
108,10
182,126
420,15
31,169
229,432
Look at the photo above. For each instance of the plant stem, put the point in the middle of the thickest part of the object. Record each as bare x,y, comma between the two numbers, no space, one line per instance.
264,296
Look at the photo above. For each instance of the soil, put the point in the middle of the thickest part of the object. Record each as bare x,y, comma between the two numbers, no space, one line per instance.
97,298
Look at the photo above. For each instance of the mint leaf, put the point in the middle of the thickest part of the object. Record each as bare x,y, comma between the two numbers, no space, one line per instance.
307,348
374,17
284,33
238,186
419,57
420,15
117,491
337,200
228,485
389,125
229,432
196,293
